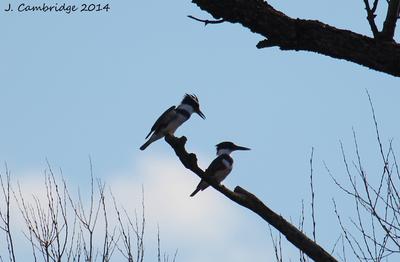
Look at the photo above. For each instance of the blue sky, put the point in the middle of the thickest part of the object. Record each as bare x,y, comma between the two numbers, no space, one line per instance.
93,84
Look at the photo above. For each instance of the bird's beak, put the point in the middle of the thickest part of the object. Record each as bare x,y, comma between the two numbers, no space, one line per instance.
241,148
201,114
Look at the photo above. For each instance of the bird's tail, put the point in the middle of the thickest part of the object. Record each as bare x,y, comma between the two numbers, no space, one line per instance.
145,145
201,186
153,138
195,192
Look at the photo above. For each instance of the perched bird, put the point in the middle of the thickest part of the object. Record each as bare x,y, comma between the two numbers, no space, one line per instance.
221,166
172,118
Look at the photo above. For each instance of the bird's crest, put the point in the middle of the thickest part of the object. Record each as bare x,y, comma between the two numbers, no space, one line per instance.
224,145
189,99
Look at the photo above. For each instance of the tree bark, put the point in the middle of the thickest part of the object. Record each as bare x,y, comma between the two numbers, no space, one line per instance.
250,201
308,35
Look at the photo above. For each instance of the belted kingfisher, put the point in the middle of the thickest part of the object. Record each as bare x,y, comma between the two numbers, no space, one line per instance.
172,118
221,166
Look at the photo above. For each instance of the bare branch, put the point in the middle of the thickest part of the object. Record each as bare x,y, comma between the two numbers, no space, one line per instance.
371,16
376,204
250,201
307,35
312,192
5,216
277,245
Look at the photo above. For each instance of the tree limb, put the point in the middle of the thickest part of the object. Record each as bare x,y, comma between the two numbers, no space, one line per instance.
307,35
250,201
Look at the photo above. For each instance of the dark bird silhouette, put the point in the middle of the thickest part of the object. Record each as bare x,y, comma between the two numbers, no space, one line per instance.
172,118
221,166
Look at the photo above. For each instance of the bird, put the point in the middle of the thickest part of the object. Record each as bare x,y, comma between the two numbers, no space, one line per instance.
221,166
172,118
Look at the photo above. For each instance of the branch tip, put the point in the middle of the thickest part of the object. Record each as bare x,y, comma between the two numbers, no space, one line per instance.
266,43
206,22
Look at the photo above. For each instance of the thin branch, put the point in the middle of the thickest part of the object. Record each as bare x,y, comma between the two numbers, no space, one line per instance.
371,16
158,244
276,244
346,234
312,192
206,22
5,216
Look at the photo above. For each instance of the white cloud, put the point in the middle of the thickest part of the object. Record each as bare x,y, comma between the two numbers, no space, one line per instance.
31,184
167,186
207,227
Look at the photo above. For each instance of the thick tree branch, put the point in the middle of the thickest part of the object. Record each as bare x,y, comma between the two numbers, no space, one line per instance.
250,201
307,35
389,25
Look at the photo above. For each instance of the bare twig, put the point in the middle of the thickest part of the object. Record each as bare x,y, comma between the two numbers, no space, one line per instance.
312,193
376,204
206,22
109,242
5,215
277,245
138,227
47,224
87,221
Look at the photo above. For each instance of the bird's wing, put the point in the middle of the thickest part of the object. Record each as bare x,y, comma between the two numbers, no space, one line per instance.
160,120
215,166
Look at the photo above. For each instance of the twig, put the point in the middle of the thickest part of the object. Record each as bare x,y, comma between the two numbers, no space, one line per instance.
5,216
276,244
158,244
206,22
312,193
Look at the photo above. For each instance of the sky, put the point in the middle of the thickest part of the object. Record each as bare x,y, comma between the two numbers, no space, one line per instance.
90,85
